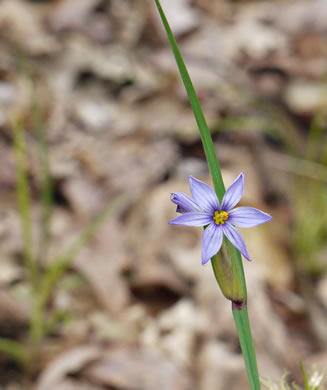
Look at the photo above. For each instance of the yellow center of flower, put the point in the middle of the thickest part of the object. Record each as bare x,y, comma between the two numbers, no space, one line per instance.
220,217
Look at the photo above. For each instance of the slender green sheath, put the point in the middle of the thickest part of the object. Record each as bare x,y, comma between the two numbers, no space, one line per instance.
198,113
230,278
244,332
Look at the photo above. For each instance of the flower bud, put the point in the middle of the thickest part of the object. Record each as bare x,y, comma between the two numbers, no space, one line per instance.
228,271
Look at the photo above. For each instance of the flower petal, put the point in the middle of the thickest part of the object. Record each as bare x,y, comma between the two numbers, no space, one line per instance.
204,195
184,202
192,219
236,239
247,217
211,241
234,193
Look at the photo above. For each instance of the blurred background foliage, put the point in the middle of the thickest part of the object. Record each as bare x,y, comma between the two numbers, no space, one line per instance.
96,290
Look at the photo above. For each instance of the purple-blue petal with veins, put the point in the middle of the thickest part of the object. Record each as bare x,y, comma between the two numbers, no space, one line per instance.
184,202
204,195
211,241
236,239
234,193
247,217
192,219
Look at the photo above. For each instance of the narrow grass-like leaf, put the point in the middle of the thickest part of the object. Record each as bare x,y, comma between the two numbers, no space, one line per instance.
46,189
324,154
24,202
244,331
305,376
315,142
14,349
62,263
198,113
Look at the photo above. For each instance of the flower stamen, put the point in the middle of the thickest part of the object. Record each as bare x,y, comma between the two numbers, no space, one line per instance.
220,217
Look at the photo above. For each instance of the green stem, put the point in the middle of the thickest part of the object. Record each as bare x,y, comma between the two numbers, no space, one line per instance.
46,186
24,205
24,202
198,113
244,333
237,289
62,263
37,322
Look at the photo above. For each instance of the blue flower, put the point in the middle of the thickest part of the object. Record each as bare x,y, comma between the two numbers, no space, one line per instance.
204,210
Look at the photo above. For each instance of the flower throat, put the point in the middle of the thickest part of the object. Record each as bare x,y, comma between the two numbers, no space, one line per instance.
220,217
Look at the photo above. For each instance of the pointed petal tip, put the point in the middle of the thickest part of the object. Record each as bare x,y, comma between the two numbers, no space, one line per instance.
245,254
240,176
236,239
267,217
184,203
190,178
204,261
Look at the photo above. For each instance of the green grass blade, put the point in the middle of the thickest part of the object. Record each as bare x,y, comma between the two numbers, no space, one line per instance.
305,376
46,187
324,155
198,113
241,316
63,261
24,202
315,138
14,349
244,332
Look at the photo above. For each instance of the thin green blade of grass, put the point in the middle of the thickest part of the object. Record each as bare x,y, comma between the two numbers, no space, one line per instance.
24,202
14,349
46,186
323,140
305,376
198,113
315,142
244,331
311,210
324,154
62,262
